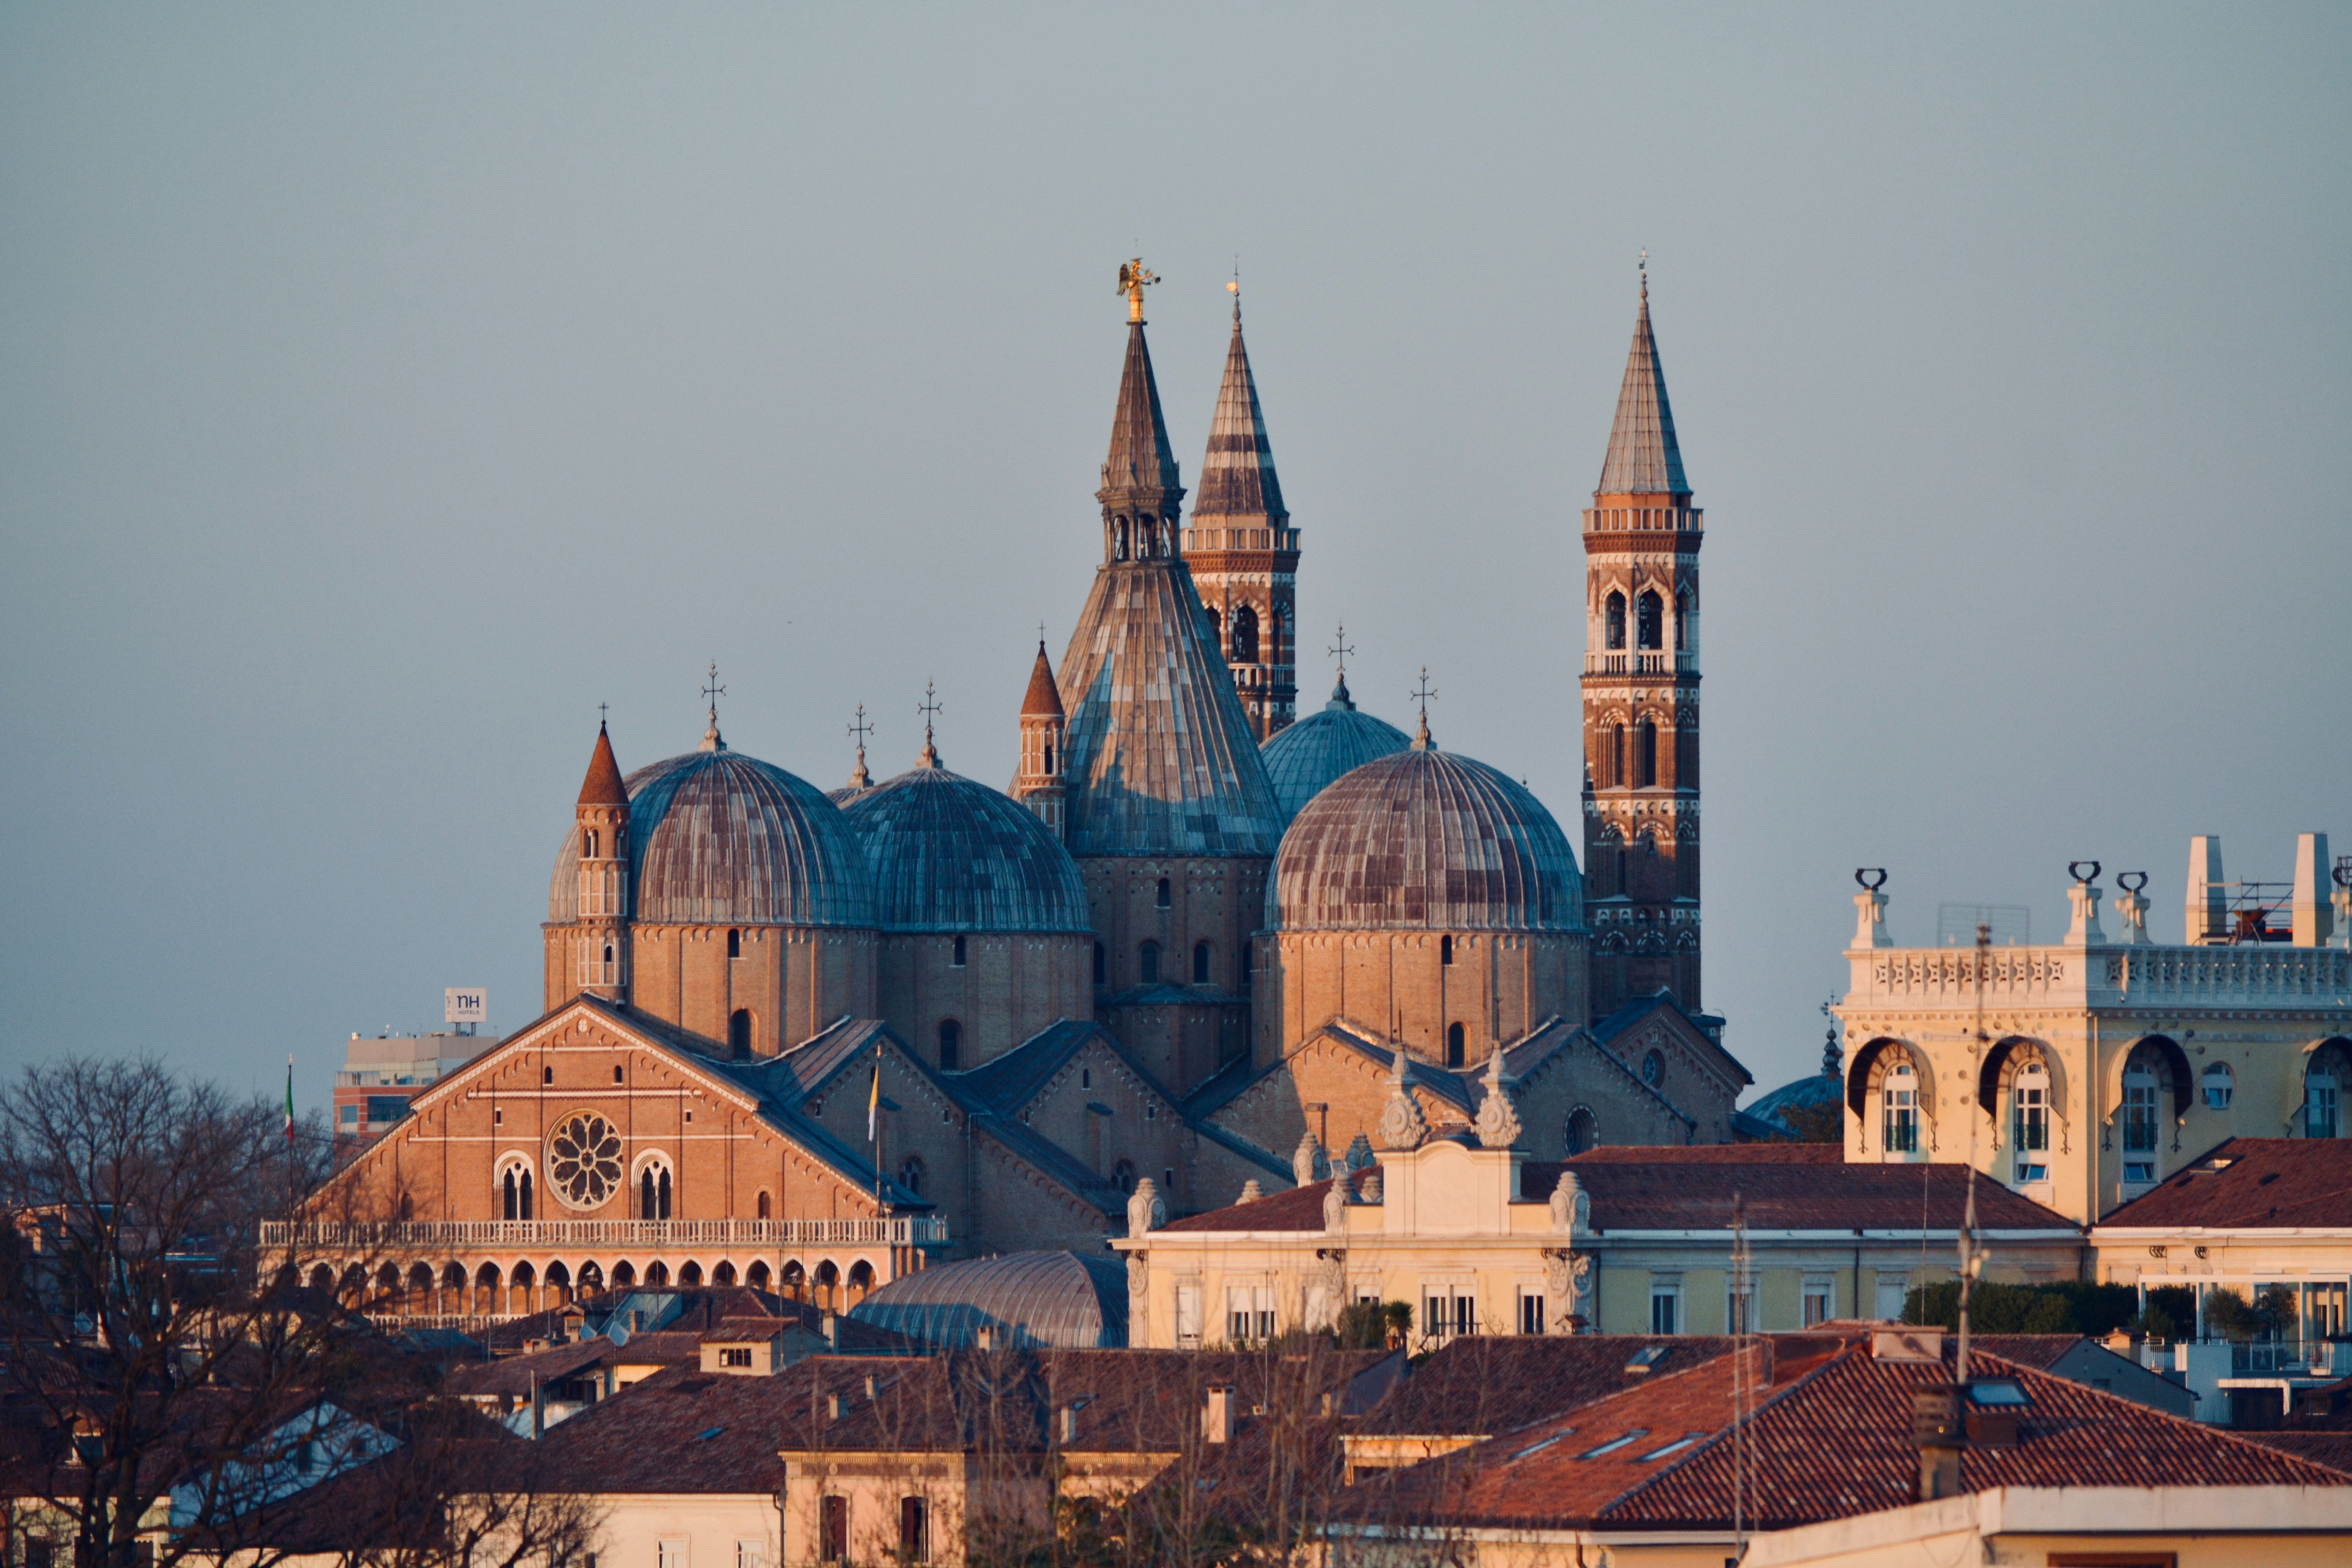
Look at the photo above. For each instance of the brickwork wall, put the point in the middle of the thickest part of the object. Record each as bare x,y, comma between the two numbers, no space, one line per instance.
1009,987
1499,986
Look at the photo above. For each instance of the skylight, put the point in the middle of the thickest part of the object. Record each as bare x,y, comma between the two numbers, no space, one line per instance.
1645,1358
708,1433
1611,1447
1538,1447
1676,1446
1997,1391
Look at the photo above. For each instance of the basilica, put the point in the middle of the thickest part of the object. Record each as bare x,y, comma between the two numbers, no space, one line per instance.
812,1040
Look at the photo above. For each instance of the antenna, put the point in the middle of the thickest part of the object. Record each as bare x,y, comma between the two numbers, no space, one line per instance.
1743,1308
1969,1262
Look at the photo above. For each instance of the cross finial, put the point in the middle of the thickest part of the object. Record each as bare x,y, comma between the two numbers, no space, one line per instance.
1341,650
1421,694
929,707
711,692
1133,278
1645,275
601,711
858,730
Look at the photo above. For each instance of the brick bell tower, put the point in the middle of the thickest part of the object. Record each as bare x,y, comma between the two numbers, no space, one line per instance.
1641,700
600,938
1243,551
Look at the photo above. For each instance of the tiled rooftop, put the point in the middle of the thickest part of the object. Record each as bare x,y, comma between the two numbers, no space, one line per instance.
2252,1183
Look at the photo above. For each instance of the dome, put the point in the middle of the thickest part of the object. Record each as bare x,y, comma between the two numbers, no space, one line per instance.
1052,1300
1309,754
1822,1090
721,838
1426,840
947,853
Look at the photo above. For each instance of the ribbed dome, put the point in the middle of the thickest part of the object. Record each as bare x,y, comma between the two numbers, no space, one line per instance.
1046,1299
1304,758
947,853
1426,840
721,838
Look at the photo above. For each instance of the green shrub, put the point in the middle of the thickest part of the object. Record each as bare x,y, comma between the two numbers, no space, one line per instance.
2065,1307
2170,1314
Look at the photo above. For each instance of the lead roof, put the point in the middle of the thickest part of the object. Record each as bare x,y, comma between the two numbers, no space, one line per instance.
1237,478
949,854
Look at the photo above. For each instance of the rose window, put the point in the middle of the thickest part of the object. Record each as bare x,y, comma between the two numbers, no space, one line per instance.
584,1160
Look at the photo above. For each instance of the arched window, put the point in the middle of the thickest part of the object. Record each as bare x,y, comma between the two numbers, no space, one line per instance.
1649,621
1164,896
1612,758
690,1274
734,943
2219,1087
766,1204
653,1191
951,1044
1119,533
1645,755
1146,963
960,953
1216,629
1613,618
1199,964
757,1276
1456,1048
1682,622
1102,964
656,1276
2028,1121
794,1281
1583,1132
910,1174
1122,1176
1445,950
1244,638
1899,1128
738,1031
511,1195
723,1274
588,844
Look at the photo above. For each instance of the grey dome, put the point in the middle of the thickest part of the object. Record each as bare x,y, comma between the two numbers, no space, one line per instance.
1426,840
1816,1091
1049,1299
721,838
947,853
1304,758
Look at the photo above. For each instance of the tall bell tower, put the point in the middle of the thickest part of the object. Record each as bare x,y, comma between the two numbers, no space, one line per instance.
1243,551
1642,536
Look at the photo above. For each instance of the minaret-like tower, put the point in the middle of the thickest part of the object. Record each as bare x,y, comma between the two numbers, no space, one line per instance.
1038,785
1640,701
1243,551
600,939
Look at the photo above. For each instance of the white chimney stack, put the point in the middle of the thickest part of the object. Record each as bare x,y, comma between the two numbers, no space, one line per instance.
2208,908
2314,910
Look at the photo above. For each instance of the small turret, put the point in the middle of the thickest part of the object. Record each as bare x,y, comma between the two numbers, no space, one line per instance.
601,941
1038,785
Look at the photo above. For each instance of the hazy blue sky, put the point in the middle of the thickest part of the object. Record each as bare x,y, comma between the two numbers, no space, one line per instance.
386,387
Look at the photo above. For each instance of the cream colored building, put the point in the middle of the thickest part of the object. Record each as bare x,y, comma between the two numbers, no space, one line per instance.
1482,1240
2081,1073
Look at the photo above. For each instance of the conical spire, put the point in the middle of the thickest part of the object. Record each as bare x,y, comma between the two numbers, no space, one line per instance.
1043,699
602,787
1643,458
1141,468
1237,476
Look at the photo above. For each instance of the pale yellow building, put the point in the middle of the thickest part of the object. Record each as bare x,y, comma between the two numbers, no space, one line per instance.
2081,1073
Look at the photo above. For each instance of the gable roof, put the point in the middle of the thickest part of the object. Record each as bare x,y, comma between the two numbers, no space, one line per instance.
1499,1383
1830,1436
1782,1187
1625,1018
2250,1184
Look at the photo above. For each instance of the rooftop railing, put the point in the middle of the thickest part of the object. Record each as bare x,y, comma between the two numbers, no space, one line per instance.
639,1235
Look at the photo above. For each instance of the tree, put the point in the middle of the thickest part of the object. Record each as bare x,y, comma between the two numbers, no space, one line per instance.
180,1391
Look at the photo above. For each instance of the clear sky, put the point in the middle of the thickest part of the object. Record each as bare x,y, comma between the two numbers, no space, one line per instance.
385,387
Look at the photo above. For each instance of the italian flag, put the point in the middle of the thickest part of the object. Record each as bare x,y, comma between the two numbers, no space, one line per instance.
289,1097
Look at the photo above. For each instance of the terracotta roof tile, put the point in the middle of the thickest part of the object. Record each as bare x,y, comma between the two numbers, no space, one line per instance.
1043,699
1784,1194
602,785
2252,1183
1830,1438
1487,1384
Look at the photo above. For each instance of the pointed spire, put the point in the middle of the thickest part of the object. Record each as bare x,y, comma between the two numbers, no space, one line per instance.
602,787
1643,458
1237,477
1140,471
1043,699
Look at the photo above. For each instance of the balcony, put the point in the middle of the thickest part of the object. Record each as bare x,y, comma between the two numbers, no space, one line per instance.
650,1236
1646,663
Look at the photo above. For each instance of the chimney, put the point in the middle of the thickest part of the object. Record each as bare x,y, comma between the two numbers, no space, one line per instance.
833,1407
986,1338
830,1326
2315,911
1217,1413
1936,1428
1069,1423
2208,913
873,1388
